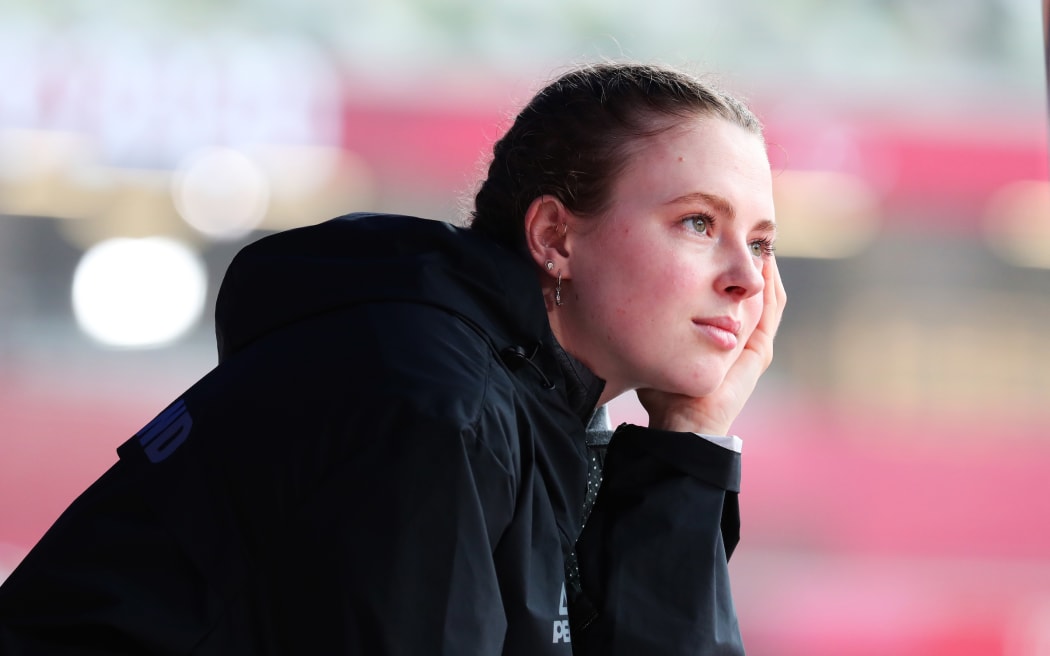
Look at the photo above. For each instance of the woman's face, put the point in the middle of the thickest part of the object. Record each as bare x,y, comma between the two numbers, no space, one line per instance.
663,290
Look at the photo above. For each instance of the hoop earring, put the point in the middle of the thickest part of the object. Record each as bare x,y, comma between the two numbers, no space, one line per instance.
557,291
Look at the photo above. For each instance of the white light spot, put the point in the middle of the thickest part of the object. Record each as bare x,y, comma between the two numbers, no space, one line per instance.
221,192
138,292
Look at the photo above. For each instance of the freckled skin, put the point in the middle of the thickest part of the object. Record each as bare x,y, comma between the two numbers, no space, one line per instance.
641,276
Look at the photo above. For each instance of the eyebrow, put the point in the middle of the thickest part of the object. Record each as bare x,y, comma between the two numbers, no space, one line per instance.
722,206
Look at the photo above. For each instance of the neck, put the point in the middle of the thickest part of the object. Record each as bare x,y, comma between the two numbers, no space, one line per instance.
566,340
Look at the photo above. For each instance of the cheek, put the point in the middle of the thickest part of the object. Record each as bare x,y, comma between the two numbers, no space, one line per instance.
753,311
624,279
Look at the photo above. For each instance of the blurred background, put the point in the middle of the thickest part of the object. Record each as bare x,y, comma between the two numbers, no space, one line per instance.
897,454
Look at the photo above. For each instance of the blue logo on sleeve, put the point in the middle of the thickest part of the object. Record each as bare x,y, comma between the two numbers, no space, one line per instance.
166,432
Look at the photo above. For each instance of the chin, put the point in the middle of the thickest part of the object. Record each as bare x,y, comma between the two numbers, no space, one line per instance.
702,385
695,388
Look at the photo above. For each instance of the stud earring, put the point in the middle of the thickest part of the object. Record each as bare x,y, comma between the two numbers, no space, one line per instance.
550,265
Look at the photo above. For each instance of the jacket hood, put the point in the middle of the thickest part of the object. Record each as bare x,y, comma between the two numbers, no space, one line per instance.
361,258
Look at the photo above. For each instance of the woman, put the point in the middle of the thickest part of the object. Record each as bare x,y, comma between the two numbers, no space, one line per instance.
391,456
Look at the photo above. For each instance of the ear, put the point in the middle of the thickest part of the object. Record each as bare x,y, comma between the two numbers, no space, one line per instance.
546,234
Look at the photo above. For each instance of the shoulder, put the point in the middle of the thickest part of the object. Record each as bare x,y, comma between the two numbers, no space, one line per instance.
424,352
423,359
390,373
435,378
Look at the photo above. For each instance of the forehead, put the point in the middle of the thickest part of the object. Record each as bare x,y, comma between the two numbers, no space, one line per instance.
700,155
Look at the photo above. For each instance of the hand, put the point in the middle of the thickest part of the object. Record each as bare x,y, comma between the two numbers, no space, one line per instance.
714,414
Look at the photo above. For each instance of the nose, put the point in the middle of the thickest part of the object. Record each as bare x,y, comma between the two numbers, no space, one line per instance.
740,272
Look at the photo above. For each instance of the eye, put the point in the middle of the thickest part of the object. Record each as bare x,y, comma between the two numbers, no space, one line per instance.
698,223
762,247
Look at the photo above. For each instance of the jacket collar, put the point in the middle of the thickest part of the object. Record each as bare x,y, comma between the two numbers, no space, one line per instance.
582,386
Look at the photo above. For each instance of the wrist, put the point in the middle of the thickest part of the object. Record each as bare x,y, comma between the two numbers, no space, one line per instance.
686,422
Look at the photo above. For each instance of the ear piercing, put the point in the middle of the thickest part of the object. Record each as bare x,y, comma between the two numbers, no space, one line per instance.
557,287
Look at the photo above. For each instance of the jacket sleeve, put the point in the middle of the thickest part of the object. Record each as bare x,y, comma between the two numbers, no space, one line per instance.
653,555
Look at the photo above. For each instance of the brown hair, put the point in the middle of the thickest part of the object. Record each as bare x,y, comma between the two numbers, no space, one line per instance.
575,137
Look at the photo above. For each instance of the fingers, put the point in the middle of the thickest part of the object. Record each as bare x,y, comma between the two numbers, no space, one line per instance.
776,295
773,299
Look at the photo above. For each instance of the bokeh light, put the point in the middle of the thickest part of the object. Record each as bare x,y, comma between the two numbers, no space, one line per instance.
1017,223
824,214
138,292
221,192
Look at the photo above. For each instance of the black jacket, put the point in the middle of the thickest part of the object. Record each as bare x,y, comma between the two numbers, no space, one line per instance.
390,458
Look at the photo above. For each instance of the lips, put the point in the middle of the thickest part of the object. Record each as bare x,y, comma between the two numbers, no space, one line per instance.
723,331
